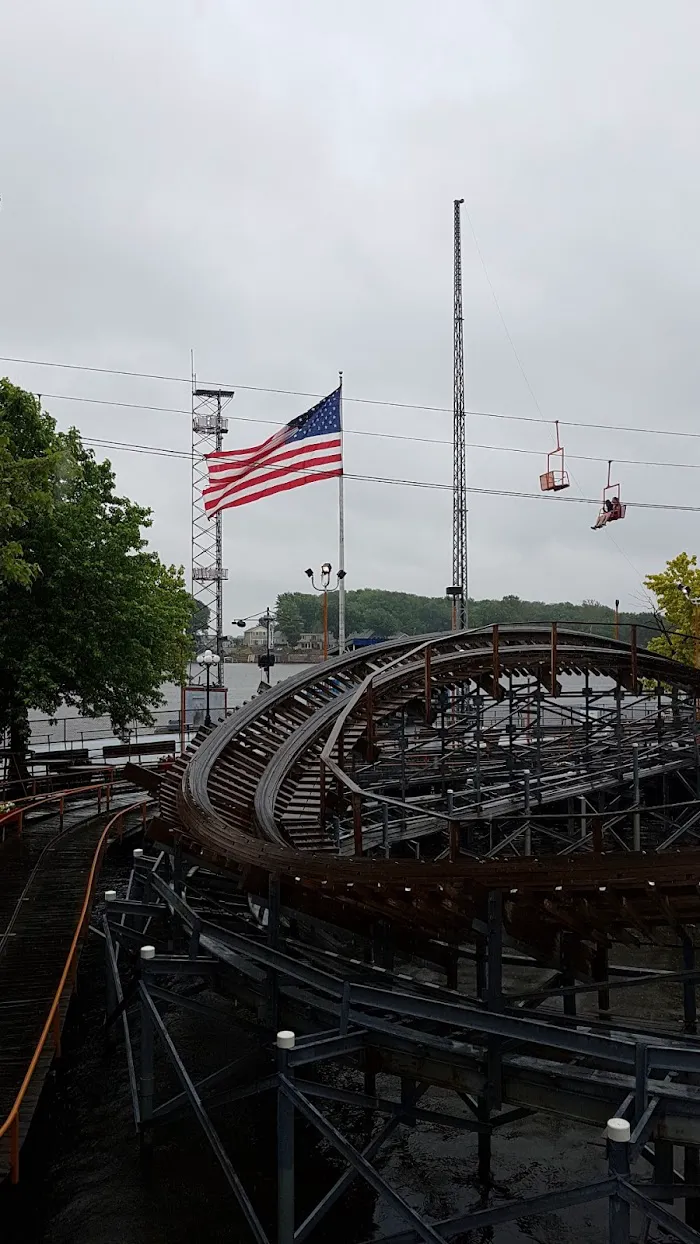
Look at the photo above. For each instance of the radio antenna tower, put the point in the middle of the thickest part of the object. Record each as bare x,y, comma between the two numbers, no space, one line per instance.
208,428
460,583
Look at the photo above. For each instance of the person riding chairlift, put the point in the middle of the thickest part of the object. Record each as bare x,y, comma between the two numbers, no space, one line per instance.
609,512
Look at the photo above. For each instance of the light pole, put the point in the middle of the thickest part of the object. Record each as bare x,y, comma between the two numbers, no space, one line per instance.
325,588
266,662
207,659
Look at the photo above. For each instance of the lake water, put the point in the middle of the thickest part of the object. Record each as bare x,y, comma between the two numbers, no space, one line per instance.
69,728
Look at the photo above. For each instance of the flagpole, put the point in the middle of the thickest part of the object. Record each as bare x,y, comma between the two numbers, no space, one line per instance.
341,531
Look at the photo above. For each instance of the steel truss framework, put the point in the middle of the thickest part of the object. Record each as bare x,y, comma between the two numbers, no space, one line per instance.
525,795
460,576
209,425
501,1060
417,776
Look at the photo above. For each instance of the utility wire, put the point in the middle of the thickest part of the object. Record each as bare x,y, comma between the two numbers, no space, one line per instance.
390,436
363,401
409,483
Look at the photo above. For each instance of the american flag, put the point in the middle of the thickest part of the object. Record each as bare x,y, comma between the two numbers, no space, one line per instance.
304,451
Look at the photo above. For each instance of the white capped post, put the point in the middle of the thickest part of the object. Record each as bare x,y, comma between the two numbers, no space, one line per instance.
618,1130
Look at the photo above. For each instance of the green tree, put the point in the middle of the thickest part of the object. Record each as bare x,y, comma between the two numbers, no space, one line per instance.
289,618
24,491
98,622
198,627
678,606
386,613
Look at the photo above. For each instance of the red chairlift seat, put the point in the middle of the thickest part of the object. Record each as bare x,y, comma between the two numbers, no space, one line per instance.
555,478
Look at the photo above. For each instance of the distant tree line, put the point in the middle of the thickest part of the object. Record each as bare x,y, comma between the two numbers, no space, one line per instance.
390,613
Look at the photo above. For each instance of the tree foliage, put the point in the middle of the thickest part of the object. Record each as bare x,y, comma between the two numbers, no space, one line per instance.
390,613
680,612
25,475
88,615
289,618
198,628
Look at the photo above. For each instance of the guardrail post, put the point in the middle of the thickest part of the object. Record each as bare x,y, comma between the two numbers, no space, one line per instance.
285,1145
663,1164
108,792
567,943
636,816
690,1014
322,794
273,927
56,1032
452,827
691,1172
14,1149
146,1082
99,798
60,811
385,830
641,1074
618,1133
528,826
553,671
110,984
600,973
357,821
369,708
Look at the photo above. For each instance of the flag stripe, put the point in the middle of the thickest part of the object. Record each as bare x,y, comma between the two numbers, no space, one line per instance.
232,472
290,483
264,476
219,458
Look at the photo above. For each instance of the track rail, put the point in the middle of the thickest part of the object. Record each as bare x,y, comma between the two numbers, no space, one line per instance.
227,793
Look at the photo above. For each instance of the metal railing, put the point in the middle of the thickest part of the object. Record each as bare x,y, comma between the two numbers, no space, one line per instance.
52,1027
16,814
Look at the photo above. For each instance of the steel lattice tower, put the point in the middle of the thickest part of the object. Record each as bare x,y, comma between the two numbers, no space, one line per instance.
208,574
459,482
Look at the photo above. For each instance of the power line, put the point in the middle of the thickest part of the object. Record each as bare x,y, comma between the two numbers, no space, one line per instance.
391,436
362,401
414,483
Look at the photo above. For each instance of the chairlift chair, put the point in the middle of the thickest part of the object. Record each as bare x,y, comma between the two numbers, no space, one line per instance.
610,492
555,478
609,511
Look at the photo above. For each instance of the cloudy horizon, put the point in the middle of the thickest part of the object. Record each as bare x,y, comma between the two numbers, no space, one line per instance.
272,187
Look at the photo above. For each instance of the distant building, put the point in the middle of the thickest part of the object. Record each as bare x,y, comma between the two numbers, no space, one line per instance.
312,641
256,637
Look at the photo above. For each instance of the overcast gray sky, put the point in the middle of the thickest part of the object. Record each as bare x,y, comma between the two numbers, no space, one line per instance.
271,184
